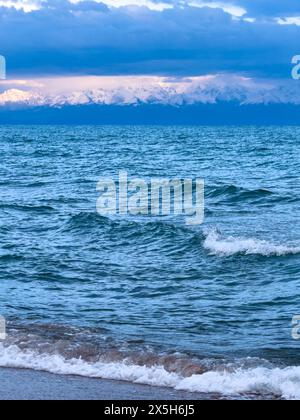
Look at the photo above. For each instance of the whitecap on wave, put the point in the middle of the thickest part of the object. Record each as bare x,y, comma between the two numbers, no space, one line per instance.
217,245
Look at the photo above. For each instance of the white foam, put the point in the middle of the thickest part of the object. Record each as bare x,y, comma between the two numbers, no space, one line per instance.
284,383
232,246
14,357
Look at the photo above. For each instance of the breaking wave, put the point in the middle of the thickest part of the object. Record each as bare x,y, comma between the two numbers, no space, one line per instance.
230,246
281,383
243,383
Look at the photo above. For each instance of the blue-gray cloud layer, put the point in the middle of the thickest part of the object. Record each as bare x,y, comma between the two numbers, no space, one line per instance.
92,38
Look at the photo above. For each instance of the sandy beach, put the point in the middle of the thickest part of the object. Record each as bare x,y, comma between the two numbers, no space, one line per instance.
18,384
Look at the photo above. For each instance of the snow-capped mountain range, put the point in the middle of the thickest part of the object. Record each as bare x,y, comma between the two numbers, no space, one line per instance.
147,90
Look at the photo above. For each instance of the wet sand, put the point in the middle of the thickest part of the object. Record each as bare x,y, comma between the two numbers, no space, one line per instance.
17,384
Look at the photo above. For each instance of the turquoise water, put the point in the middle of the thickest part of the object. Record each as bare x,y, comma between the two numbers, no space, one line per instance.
152,290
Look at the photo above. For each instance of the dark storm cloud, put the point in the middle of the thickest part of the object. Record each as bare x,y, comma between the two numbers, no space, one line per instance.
91,38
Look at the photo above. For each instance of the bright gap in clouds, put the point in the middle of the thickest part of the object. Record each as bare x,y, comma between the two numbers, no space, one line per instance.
159,6
228,8
26,5
147,3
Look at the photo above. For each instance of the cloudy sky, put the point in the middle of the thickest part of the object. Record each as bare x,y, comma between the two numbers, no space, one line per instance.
179,39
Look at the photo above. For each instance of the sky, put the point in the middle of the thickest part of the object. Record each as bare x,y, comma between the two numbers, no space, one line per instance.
62,43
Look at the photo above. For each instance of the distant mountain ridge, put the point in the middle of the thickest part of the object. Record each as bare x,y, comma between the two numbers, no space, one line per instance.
162,91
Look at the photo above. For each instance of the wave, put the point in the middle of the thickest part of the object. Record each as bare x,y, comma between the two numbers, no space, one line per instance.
238,192
212,241
231,246
66,350
233,194
264,382
27,208
142,225
87,219
281,383
13,357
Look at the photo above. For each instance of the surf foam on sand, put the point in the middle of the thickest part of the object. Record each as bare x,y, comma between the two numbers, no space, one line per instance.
261,381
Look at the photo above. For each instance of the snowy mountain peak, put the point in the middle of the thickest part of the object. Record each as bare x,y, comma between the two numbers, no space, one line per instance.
150,90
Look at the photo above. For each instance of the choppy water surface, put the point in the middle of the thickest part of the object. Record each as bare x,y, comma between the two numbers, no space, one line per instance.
205,309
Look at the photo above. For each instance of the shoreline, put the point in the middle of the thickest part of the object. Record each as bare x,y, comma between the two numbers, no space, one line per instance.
22,384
